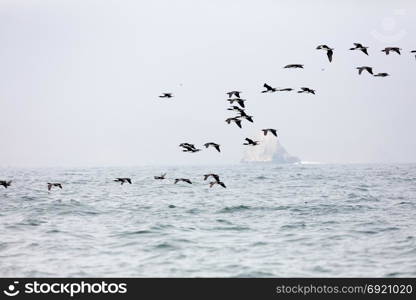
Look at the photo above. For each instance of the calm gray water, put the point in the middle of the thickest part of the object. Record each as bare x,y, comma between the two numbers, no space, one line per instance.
272,220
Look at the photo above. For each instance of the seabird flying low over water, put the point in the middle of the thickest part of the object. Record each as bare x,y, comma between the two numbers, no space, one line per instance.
251,142
273,131
285,90
236,120
293,66
368,69
5,183
123,180
215,176
238,100
215,145
394,49
183,179
329,51
161,177
306,90
212,183
235,93
269,89
166,95
381,75
360,47
51,185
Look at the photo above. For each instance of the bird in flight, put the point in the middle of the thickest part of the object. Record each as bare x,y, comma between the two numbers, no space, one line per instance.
273,131
269,89
306,90
329,51
5,183
235,93
123,180
212,183
360,47
236,108
161,177
236,120
51,185
215,145
368,69
251,142
394,49
166,95
183,179
215,176
238,100
189,147
381,75
293,66
413,51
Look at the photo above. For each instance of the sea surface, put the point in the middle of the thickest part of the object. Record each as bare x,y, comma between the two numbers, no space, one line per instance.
272,220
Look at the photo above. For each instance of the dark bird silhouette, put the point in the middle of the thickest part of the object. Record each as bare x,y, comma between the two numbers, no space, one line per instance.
212,183
5,183
360,47
236,120
166,95
251,142
183,179
189,147
285,90
123,180
269,89
273,131
161,177
293,66
215,176
51,185
368,69
381,75
215,145
306,90
413,51
387,50
235,93
238,100
247,117
329,51
236,108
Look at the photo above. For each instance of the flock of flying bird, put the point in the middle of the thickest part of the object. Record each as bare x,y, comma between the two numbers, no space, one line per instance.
234,97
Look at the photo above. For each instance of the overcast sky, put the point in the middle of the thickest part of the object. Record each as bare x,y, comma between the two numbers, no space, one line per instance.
79,80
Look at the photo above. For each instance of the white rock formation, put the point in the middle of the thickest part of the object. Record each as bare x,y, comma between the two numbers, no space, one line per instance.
269,150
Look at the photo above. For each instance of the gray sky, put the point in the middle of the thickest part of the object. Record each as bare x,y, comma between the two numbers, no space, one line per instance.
79,80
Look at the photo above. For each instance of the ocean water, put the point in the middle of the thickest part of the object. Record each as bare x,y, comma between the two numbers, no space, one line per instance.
272,220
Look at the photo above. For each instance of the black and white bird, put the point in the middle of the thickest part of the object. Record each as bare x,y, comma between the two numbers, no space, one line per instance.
306,90
233,93
238,100
381,75
215,145
247,117
123,180
51,185
387,50
161,177
413,51
189,148
293,66
166,95
212,183
236,108
236,120
329,51
269,89
358,46
273,131
5,183
365,68
183,179
250,142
